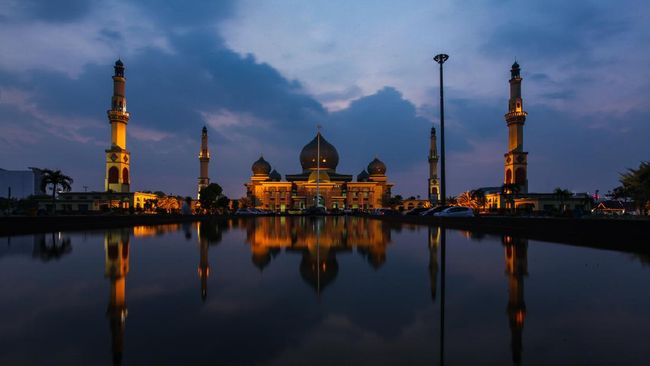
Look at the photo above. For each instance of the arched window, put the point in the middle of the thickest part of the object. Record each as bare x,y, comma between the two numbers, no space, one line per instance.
508,176
113,175
520,176
125,176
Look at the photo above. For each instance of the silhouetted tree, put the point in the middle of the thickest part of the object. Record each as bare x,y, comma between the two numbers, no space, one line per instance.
55,178
562,195
635,184
212,198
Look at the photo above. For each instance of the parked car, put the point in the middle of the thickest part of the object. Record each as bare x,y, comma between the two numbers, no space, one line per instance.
415,211
433,210
456,211
384,212
248,211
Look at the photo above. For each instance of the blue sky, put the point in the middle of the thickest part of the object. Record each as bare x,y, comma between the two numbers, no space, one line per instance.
262,75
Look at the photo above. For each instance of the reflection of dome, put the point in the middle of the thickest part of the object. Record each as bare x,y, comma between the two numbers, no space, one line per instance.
377,167
261,260
261,167
363,176
275,176
318,274
329,157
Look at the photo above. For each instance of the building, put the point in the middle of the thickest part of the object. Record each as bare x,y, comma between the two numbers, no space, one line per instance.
118,159
21,183
319,183
434,182
516,164
513,194
204,160
81,202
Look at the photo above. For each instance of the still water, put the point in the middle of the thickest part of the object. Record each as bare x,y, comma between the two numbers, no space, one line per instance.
306,291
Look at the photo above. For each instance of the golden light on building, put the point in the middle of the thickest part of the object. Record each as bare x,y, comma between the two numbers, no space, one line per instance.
318,182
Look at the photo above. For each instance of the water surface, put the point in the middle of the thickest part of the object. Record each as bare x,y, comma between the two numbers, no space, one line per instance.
334,290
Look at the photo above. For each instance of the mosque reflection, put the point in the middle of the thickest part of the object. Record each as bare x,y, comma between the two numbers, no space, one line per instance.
318,240
209,234
516,257
116,249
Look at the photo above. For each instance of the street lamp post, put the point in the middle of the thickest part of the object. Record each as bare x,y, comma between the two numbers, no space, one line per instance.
440,59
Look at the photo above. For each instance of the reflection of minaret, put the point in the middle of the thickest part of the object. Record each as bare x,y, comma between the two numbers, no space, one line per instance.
434,240
204,266
117,157
515,158
516,253
209,233
204,159
434,183
116,246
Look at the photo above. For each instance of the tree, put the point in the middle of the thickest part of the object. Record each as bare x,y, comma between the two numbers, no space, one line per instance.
392,202
55,178
474,199
509,191
562,195
478,196
635,184
212,198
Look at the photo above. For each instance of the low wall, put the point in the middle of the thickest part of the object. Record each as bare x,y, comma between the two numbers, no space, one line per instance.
17,225
630,235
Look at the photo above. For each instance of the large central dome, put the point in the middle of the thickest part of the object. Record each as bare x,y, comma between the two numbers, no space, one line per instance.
329,157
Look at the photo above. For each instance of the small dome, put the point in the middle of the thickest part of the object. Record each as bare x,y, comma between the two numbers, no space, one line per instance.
515,65
261,167
329,157
363,176
205,129
275,176
377,167
119,63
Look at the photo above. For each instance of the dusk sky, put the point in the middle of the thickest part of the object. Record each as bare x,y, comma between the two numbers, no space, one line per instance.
262,75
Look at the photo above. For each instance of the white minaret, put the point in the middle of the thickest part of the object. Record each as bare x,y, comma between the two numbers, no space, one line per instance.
434,183
204,159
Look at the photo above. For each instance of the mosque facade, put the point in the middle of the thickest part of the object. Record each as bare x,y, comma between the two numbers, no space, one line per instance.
319,184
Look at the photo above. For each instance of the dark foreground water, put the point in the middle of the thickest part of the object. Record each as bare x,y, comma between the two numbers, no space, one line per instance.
329,291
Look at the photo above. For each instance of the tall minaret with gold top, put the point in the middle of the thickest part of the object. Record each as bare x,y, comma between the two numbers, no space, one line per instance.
118,171
204,159
434,183
516,165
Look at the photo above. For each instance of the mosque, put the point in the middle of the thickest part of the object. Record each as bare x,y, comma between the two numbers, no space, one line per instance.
318,180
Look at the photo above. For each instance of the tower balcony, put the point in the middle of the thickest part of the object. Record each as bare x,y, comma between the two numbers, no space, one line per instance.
118,116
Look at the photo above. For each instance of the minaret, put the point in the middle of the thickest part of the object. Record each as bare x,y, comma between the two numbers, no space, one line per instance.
204,265
516,257
434,183
434,243
116,247
515,158
118,171
204,159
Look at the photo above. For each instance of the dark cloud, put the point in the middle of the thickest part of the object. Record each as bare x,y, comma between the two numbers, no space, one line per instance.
59,11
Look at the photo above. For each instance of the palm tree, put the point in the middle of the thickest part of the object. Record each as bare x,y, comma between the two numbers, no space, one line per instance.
478,197
562,195
55,178
509,191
